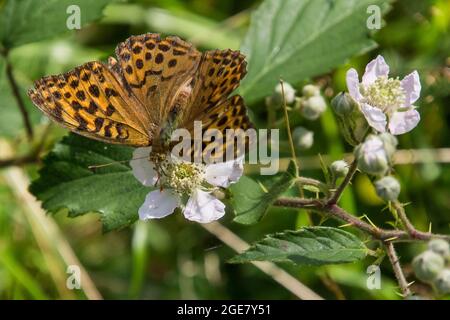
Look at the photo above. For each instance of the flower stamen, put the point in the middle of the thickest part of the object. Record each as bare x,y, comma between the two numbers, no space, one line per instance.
385,93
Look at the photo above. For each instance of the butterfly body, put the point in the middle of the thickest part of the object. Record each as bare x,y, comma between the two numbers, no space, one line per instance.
153,87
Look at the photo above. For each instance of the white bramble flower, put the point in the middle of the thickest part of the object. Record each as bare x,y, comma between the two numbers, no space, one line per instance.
179,179
386,103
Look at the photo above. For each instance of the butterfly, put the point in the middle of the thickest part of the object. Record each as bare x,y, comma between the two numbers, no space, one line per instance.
154,86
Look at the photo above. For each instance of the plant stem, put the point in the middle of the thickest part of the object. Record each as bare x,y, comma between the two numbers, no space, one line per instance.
32,157
288,128
348,178
336,212
313,182
398,207
292,148
395,262
20,103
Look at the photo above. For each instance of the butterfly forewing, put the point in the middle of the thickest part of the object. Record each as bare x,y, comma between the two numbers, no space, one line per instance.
90,101
155,69
131,99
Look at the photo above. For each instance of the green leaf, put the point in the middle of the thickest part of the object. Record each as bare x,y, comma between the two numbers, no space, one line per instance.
66,182
25,21
307,246
298,39
250,200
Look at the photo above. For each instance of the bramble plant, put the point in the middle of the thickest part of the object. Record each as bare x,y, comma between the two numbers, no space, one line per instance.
292,49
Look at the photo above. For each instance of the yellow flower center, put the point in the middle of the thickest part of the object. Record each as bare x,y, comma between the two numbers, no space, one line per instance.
385,93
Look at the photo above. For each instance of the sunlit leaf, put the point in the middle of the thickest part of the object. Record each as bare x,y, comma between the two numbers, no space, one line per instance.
25,21
307,246
298,39
251,201
66,182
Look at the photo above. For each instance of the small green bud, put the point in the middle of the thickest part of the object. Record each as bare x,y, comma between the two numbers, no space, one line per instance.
310,90
428,265
442,282
303,138
351,121
339,168
439,246
371,156
276,99
311,108
387,188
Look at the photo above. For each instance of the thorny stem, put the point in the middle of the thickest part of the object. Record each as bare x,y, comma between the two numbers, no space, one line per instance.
348,178
395,262
398,207
313,182
336,212
16,93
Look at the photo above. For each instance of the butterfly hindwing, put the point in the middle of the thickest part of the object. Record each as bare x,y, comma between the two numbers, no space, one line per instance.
228,117
220,73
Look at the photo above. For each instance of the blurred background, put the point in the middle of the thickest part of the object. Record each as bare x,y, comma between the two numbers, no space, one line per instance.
175,259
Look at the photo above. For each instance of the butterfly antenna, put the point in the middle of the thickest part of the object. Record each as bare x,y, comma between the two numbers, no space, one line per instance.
114,162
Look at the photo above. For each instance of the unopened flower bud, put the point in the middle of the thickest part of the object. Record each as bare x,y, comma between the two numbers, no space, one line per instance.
351,121
311,108
303,138
428,265
439,246
310,90
339,168
390,143
442,282
276,99
387,188
371,156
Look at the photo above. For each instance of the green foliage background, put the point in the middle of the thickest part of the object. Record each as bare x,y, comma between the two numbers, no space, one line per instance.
172,258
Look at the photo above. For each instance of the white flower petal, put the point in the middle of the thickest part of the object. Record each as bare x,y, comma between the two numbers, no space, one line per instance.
203,207
411,86
374,69
222,174
375,117
352,80
159,204
143,168
402,122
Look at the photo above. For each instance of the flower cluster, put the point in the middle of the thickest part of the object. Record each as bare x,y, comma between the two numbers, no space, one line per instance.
432,265
178,180
386,103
